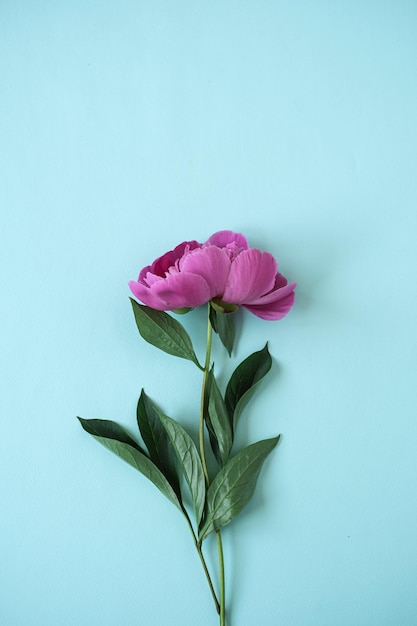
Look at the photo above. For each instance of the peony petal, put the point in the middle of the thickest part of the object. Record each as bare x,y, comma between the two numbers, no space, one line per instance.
280,281
181,290
150,279
273,310
143,273
280,289
146,295
162,264
212,264
252,274
225,238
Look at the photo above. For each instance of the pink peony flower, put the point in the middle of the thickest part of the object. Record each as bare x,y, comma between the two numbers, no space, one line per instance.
223,270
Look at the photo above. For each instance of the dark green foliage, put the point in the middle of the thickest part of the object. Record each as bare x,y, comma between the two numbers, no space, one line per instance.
115,438
189,461
233,487
224,325
156,439
163,331
243,382
218,422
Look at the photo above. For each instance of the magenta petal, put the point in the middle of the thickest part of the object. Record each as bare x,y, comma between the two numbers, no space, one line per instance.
212,264
143,272
162,264
146,295
181,290
274,310
223,239
280,289
252,274
280,281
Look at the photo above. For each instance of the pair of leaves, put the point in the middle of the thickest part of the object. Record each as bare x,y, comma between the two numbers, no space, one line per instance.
164,438
115,438
163,331
222,414
233,487
166,333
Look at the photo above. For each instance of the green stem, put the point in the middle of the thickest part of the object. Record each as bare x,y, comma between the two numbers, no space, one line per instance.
203,397
222,585
203,562
204,464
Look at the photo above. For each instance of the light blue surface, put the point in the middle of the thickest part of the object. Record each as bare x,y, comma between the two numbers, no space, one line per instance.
127,127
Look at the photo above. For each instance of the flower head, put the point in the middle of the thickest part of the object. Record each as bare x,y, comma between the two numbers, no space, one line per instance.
223,270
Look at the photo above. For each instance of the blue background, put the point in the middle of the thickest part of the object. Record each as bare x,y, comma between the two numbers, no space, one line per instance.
127,127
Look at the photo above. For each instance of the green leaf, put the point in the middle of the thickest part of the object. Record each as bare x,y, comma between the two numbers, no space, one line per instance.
224,325
115,438
218,423
163,331
156,439
189,461
243,382
233,487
